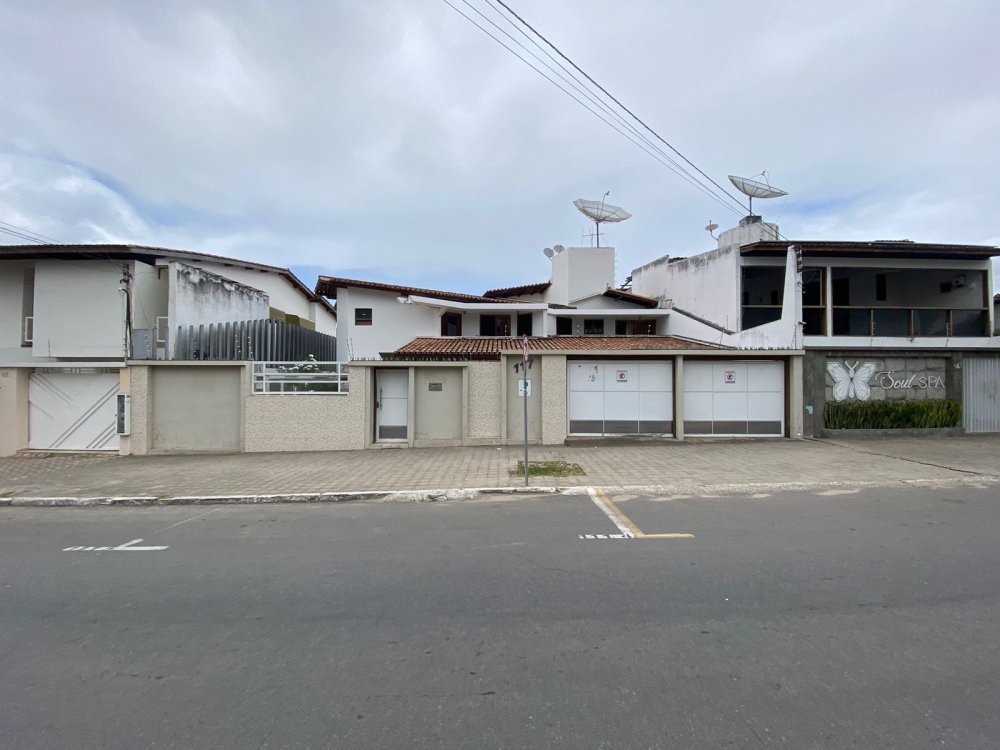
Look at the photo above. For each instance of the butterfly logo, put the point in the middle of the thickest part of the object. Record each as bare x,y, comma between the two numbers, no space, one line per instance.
851,381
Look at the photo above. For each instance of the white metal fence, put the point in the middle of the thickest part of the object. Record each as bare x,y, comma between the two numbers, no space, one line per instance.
304,377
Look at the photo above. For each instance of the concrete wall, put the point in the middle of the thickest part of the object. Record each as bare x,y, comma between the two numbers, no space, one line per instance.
319,422
150,295
12,309
78,309
13,410
284,295
707,285
393,323
553,399
198,296
580,272
438,406
197,409
485,403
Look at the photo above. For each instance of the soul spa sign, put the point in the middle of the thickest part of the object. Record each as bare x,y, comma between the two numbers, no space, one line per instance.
855,381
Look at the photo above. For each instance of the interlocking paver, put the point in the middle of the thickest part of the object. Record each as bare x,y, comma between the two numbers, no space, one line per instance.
689,464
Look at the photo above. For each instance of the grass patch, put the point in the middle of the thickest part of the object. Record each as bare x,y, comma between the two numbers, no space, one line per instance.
549,469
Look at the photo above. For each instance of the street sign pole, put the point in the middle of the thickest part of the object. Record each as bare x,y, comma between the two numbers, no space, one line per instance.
524,372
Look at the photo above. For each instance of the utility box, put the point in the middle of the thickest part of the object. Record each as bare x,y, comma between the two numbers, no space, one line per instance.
123,421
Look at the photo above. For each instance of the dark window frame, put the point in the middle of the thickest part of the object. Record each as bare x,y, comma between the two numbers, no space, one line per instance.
589,324
495,325
448,318
360,316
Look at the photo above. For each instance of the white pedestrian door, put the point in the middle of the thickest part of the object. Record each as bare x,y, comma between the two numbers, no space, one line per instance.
391,405
72,410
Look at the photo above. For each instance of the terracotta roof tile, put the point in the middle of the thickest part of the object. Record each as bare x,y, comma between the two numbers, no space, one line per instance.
490,348
626,296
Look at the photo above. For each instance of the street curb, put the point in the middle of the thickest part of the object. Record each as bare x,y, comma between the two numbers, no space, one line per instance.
471,493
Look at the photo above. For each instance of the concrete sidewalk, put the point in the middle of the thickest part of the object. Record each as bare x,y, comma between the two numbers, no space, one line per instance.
725,467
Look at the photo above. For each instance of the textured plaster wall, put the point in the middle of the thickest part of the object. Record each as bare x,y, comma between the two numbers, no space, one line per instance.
553,400
317,422
137,444
197,296
485,415
13,410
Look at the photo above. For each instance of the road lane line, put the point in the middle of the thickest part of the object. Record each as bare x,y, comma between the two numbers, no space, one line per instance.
601,502
623,522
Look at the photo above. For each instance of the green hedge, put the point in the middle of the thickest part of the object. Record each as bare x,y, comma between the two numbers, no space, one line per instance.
891,415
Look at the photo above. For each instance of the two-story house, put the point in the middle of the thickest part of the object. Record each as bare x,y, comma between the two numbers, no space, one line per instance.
913,321
446,368
74,318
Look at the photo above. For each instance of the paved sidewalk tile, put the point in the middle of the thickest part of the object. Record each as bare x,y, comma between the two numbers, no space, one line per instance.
689,464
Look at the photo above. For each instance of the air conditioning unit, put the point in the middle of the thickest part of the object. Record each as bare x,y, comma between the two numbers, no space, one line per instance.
123,415
162,328
28,330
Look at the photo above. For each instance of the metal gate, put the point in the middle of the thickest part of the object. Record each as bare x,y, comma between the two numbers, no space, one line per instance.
619,397
981,394
72,410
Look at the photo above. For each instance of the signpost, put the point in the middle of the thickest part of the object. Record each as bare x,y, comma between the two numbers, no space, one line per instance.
525,392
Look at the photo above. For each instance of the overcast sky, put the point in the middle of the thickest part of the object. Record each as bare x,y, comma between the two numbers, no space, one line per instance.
392,140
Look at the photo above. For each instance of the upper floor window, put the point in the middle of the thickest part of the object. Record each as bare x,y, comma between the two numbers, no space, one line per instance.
564,326
451,324
362,316
635,328
494,325
524,324
593,326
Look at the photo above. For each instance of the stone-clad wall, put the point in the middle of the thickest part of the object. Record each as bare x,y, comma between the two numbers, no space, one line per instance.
896,378
485,415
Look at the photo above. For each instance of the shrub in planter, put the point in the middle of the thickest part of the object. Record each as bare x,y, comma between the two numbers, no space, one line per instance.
892,415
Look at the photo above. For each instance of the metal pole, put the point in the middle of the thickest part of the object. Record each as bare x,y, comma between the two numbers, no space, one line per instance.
525,368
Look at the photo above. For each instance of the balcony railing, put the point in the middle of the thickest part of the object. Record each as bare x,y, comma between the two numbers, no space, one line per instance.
909,322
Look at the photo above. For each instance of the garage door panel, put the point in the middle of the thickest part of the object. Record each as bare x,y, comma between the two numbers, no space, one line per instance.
729,406
586,376
697,377
732,375
586,406
656,376
765,406
621,376
766,377
72,410
656,405
698,406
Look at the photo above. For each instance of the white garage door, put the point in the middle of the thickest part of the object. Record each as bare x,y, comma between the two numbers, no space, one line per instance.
734,398
620,398
981,387
72,410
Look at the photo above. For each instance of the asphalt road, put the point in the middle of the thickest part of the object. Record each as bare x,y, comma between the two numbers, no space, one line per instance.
867,620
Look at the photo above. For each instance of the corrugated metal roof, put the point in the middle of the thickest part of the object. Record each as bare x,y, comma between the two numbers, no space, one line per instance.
626,296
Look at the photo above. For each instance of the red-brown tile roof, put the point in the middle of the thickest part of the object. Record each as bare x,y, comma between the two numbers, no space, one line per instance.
328,285
513,291
625,296
490,348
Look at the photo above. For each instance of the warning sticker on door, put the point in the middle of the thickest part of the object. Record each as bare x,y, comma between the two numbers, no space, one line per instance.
730,376
621,376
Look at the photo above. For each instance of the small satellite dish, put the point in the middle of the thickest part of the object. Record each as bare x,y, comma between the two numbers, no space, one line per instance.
558,249
549,252
601,212
754,189
711,227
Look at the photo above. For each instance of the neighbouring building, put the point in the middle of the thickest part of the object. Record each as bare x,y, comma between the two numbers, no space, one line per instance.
881,320
81,325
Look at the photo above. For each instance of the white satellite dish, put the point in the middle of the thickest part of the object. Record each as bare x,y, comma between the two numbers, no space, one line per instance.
711,227
601,212
558,249
549,252
754,189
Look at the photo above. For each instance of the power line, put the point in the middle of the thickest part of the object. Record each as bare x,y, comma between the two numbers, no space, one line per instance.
27,234
676,169
616,101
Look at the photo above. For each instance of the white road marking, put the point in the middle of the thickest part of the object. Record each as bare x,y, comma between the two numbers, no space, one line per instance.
606,536
127,547
827,493
598,501
200,515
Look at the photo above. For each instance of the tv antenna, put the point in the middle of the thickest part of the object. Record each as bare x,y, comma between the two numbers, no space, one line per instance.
754,189
601,212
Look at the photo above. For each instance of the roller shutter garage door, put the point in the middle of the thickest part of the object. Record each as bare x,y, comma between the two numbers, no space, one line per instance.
734,398
72,410
610,397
